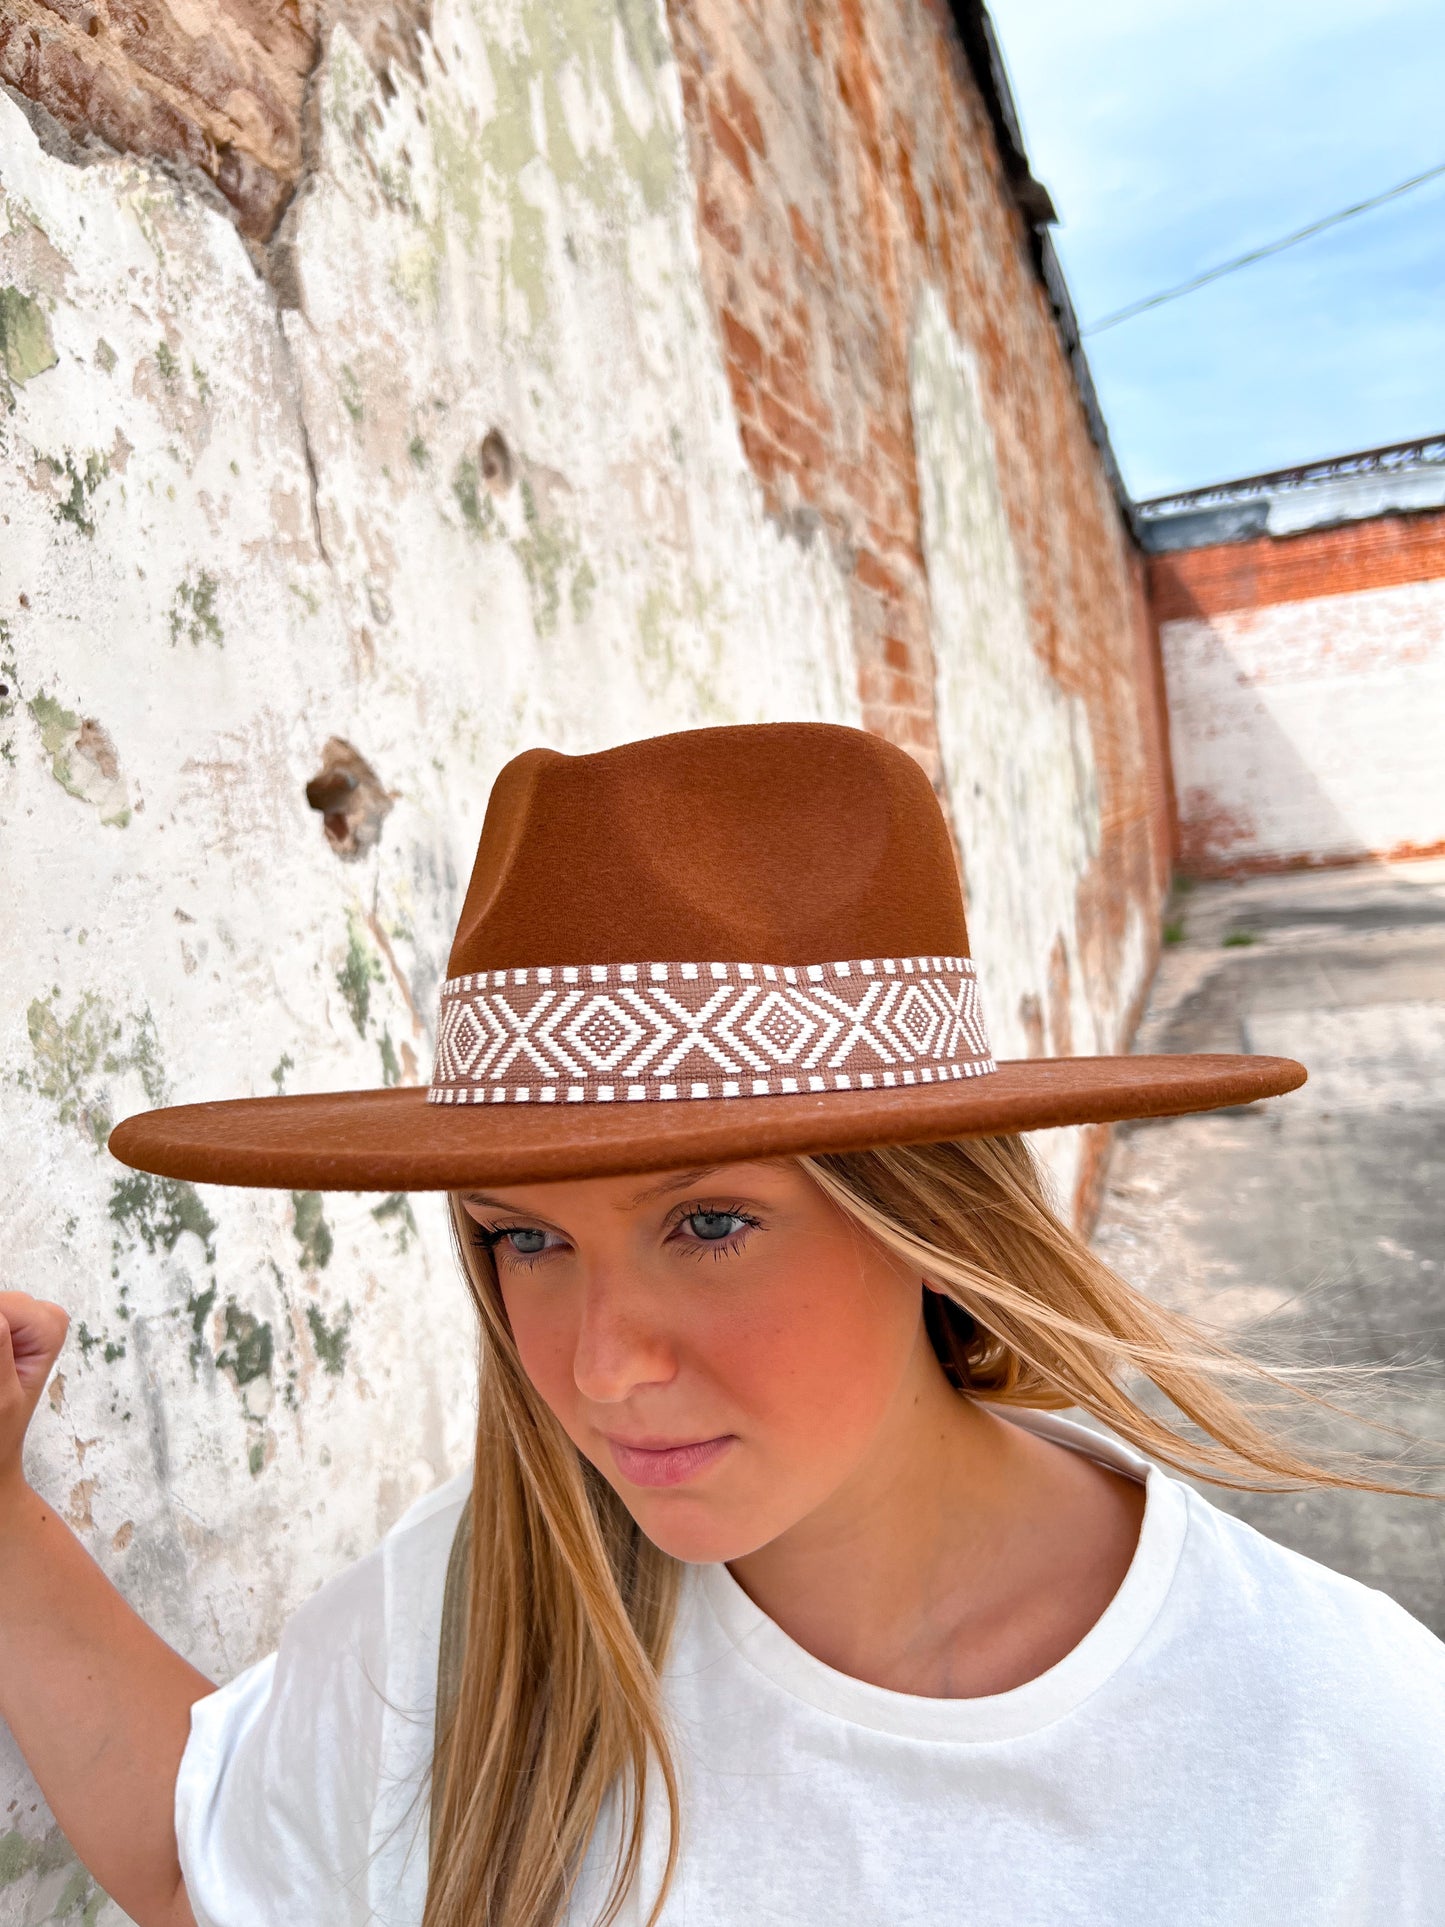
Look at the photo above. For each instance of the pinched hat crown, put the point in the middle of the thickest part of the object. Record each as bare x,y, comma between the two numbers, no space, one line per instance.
778,843
731,913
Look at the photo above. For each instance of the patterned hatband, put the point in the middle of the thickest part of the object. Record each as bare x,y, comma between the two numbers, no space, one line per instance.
603,1033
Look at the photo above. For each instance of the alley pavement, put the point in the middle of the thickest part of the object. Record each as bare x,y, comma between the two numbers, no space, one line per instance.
1311,1227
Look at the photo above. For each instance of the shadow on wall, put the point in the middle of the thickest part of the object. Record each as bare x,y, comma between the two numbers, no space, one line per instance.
1300,724
1248,800
1245,828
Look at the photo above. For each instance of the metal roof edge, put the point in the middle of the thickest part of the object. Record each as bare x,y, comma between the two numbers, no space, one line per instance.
1424,452
1401,478
985,59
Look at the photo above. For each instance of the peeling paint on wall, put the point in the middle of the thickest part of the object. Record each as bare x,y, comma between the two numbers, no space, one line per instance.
82,758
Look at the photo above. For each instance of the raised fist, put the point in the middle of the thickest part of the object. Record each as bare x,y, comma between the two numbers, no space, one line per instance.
31,1335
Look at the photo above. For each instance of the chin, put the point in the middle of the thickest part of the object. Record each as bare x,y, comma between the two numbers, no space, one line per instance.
688,1533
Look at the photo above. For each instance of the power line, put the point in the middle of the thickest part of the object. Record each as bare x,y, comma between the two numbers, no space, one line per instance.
1259,254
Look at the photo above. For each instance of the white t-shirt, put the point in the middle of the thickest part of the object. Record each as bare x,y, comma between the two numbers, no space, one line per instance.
1245,1739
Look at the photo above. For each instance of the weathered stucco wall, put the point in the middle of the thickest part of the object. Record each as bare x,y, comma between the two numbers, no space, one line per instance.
233,532
1018,748
568,372
1306,681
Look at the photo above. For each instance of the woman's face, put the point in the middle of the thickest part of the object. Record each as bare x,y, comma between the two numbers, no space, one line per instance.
725,1345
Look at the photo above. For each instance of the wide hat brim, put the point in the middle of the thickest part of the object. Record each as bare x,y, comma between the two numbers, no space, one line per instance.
394,1140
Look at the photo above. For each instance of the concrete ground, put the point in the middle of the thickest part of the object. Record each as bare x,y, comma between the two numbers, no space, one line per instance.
1313,1225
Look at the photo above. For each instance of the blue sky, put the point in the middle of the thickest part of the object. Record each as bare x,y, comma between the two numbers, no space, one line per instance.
1172,136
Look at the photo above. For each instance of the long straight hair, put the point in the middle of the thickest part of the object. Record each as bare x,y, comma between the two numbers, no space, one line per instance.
558,1715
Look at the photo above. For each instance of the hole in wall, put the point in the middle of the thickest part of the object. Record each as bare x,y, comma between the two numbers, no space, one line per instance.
497,464
351,799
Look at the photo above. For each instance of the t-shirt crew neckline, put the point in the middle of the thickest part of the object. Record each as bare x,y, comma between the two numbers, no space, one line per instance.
1025,1709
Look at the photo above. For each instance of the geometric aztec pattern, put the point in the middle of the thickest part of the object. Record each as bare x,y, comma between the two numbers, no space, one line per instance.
624,1033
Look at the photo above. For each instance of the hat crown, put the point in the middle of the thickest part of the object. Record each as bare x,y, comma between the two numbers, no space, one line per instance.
770,842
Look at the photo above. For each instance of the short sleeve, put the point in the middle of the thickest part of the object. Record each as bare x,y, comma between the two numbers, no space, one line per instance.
279,1779
302,1794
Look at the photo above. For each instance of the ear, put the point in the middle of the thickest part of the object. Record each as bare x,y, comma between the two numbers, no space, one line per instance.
951,1330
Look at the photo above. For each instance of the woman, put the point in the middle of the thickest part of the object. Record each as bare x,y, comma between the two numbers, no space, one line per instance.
777,1594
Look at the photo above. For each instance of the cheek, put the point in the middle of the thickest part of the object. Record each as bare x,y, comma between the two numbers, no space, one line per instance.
818,1360
545,1331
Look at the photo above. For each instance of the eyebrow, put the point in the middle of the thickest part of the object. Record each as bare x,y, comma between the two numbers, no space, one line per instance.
487,1201
675,1181
684,1180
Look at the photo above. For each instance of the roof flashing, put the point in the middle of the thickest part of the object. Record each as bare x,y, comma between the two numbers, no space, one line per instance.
1403,478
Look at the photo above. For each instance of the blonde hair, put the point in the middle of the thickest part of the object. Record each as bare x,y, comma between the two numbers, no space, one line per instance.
558,1706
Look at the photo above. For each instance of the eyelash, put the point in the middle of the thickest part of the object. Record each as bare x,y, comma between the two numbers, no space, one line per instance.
488,1237
715,1248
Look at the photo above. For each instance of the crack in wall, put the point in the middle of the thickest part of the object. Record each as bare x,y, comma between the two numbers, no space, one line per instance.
308,454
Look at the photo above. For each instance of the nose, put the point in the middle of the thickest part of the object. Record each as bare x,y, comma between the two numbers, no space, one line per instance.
621,1347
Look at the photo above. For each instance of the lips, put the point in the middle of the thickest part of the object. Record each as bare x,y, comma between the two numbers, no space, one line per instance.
666,1464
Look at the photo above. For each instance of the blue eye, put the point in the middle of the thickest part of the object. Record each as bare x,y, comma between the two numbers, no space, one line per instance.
712,1226
527,1243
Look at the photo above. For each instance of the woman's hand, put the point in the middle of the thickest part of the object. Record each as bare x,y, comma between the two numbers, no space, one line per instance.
99,1706
31,1335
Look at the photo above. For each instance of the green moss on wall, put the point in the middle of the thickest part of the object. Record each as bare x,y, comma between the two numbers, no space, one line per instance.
360,969
558,43
74,1052
313,1233
26,349
249,1351
158,1211
330,1340
74,505
396,1213
193,612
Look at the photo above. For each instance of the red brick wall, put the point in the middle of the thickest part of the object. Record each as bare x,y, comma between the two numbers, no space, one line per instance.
1304,674
843,159
1378,554
808,211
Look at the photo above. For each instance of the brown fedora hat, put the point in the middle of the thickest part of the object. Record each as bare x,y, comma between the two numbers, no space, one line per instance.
714,945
